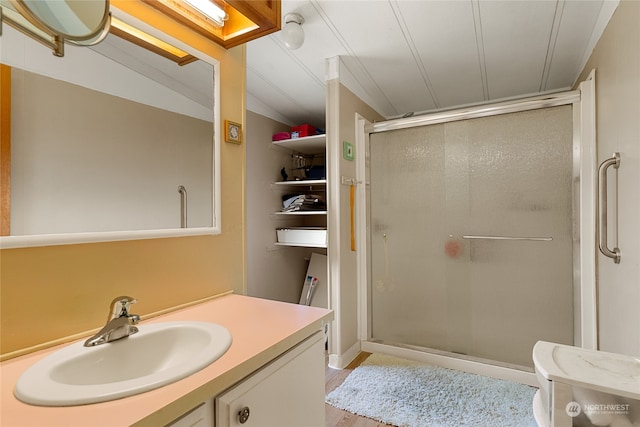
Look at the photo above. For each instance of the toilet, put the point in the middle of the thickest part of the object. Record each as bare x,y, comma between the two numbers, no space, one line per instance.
581,387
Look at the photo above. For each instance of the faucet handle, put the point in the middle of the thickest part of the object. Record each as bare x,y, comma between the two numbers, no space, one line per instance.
120,306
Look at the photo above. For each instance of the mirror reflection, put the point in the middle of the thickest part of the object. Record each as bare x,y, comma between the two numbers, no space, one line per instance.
102,139
76,20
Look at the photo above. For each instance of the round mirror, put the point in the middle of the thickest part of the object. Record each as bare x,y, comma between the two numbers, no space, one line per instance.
77,21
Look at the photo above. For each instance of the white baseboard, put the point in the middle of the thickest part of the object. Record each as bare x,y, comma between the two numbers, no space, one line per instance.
444,361
340,361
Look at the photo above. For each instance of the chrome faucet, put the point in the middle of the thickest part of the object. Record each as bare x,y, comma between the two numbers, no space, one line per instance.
119,323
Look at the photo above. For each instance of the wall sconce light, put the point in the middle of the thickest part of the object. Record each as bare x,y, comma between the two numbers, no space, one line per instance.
292,32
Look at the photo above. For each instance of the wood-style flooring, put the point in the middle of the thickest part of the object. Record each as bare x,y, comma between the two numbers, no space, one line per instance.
336,417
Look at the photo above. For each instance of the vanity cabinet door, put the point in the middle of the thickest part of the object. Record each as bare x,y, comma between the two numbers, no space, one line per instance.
288,392
200,416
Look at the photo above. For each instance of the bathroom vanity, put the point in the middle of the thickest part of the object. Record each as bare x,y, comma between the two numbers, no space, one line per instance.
273,374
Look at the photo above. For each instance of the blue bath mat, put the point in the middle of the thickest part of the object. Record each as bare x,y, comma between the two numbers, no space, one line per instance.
405,393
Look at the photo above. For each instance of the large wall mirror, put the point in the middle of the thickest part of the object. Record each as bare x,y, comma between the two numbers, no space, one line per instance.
111,142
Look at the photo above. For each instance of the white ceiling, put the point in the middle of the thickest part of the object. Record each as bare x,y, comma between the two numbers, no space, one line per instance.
422,55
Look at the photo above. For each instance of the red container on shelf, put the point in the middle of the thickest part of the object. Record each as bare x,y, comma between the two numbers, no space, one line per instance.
280,136
303,130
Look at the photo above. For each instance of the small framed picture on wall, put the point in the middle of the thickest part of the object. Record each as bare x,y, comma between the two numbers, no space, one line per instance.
232,132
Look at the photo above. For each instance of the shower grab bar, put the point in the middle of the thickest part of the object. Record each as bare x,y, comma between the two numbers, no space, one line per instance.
183,206
535,239
602,208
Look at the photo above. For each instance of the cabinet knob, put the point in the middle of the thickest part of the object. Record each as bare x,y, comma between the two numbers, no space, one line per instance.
243,415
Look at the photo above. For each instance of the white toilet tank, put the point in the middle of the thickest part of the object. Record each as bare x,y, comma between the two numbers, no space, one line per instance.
581,387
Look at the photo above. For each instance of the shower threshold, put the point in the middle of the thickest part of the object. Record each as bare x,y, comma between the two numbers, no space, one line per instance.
457,361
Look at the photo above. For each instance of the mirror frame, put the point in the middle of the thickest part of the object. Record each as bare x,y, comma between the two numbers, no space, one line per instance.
92,37
25,241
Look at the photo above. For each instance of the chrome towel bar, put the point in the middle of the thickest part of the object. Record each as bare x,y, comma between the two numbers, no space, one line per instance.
535,239
602,208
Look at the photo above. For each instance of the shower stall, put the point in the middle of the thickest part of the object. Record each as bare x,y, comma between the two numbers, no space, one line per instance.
473,231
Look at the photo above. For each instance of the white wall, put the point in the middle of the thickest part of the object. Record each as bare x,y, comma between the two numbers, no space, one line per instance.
616,60
342,107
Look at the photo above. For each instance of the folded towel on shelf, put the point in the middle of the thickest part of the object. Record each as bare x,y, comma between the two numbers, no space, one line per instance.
303,202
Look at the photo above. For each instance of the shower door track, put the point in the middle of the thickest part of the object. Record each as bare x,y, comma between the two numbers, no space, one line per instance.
456,361
544,101
461,356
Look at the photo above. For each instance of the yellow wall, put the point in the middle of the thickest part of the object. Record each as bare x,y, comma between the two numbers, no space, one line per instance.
56,293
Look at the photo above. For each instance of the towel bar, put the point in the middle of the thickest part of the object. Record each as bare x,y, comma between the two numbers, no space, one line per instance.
535,239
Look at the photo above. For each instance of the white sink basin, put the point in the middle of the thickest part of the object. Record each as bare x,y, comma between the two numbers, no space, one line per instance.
158,355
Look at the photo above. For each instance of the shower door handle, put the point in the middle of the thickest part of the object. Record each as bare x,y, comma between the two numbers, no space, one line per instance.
602,208
533,239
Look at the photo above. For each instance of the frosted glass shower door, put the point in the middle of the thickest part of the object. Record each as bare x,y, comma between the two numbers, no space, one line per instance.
471,234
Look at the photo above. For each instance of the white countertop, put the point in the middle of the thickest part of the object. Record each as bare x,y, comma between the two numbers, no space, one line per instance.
261,330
